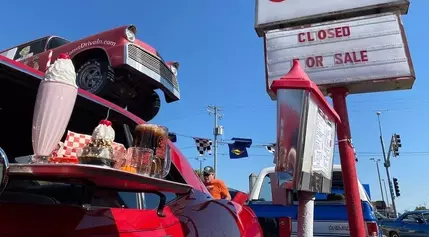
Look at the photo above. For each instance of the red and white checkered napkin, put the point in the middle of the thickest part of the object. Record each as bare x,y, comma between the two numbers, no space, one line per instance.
74,142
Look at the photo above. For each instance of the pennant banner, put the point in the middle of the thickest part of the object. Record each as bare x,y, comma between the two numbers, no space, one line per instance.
203,145
238,149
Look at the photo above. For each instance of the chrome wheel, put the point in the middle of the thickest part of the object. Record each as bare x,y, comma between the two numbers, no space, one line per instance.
91,78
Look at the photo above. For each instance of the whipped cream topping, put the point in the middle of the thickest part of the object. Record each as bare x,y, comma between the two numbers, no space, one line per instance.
103,132
62,70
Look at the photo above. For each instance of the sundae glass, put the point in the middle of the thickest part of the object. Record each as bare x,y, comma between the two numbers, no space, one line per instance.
100,151
54,105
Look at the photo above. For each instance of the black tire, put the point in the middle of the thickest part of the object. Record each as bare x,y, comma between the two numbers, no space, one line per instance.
145,105
394,234
95,76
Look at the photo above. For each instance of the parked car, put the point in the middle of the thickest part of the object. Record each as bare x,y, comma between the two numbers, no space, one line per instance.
112,64
381,217
42,200
409,224
330,211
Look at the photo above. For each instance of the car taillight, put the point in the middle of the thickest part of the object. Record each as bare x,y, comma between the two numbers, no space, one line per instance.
372,229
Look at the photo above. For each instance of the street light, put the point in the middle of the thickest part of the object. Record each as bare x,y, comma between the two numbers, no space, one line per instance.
379,177
385,192
386,163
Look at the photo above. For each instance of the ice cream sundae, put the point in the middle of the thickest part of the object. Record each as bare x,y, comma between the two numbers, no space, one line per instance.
54,105
100,151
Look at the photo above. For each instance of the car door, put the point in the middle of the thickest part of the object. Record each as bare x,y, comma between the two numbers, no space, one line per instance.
411,227
426,226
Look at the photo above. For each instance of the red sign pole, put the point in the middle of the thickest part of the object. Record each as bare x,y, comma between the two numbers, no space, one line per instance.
348,165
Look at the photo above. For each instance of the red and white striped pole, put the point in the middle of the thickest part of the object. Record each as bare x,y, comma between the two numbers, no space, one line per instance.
48,63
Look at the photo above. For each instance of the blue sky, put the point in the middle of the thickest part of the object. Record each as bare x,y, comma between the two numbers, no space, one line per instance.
221,63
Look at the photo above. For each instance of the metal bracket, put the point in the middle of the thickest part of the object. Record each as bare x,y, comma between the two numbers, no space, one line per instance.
87,194
161,205
349,140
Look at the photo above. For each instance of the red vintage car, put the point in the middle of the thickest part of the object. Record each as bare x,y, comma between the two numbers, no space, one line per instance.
113,65
78,200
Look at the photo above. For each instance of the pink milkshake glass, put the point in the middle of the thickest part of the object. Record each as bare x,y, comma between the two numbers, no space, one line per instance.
54,105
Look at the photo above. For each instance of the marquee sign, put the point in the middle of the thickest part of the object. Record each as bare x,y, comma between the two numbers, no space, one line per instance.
357,53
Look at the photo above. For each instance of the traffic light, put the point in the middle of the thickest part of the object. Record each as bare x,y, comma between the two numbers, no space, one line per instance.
396,143
396,185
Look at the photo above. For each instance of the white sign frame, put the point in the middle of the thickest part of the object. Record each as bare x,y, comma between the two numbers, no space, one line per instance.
376,43
276,14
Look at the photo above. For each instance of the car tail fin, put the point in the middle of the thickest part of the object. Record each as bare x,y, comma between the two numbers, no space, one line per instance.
372,229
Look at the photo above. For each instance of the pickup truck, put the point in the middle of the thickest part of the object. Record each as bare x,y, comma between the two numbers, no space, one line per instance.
330,213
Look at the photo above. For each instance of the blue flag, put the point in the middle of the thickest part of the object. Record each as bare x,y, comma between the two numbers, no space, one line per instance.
238,149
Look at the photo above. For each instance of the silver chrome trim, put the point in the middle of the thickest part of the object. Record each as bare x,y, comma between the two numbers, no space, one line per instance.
143,69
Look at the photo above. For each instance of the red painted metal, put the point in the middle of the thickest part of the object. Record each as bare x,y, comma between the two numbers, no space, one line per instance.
194,214
348,165
285,227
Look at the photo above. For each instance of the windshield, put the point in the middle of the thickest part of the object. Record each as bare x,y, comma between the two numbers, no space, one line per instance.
336,195
379,215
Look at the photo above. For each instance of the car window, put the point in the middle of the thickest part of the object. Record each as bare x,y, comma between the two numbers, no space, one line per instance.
410,218
55,42
38,192
30,49
265,194
426,217
129,198
151,200
336,195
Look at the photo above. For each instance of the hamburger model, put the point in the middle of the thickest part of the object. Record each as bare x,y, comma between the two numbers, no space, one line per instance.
100,151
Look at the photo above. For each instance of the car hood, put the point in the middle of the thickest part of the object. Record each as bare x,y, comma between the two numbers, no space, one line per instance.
383,221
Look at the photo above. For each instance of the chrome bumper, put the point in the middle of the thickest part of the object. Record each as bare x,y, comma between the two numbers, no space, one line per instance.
146,63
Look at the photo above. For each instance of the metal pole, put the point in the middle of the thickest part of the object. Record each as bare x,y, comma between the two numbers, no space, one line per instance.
215,110
215,142
387,163
379,177
305,213
201,161
348,165
385,190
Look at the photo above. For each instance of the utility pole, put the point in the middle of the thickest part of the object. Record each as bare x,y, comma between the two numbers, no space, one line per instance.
201,160
379,178
217,130
387,164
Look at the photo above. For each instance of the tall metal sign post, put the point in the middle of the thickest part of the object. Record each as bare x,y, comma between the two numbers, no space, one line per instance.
345,47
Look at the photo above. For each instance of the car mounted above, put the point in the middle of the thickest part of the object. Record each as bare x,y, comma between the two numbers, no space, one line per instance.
112,64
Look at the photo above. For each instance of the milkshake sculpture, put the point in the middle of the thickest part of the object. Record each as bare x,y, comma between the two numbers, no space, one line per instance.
54,105
100,151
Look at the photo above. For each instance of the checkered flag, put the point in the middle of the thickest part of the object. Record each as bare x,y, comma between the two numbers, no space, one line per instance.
203,145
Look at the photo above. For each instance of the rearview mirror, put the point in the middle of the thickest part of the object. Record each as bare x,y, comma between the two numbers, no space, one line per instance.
4,165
